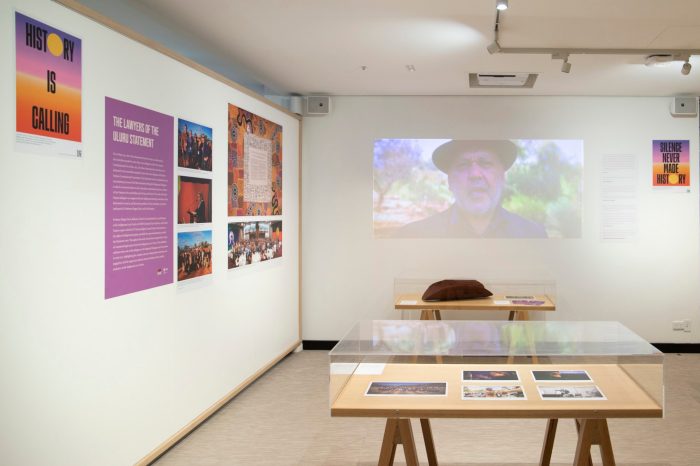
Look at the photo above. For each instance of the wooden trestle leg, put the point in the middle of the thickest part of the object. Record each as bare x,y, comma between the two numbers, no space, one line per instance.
429,444
593,432
391,437
590,432
399,431
551,431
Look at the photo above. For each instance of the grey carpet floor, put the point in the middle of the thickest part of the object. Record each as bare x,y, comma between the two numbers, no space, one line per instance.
283,419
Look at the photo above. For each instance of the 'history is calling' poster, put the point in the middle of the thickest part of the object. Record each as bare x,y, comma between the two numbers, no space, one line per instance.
48,83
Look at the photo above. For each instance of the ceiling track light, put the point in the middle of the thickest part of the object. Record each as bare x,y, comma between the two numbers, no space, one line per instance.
566,67
493,47
653,56
668,58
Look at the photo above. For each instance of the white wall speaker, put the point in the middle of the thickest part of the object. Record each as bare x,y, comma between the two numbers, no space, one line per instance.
318,105
684,106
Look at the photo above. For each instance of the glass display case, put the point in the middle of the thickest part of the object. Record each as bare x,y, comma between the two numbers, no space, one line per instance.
544,369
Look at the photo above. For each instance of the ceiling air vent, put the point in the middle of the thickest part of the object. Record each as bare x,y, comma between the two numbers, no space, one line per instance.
495,80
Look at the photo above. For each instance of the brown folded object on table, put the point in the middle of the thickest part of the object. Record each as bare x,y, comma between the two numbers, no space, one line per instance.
452,290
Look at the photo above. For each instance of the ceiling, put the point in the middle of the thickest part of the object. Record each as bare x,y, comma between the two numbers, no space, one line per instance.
321,46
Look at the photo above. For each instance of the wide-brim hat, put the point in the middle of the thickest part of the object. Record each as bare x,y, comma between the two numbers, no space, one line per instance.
504,149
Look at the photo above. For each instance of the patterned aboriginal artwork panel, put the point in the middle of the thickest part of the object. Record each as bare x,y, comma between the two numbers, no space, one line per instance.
254,164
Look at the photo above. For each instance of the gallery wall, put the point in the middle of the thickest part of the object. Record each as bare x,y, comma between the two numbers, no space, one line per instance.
88,380
645,283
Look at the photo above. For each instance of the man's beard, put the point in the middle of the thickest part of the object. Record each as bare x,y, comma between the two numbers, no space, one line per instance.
479,202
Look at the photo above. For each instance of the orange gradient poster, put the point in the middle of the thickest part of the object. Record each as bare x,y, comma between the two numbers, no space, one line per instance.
671,166
48,85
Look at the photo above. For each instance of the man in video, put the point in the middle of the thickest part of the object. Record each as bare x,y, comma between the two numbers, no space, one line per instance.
476,176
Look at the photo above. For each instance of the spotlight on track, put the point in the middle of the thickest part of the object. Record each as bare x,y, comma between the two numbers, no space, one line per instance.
566,66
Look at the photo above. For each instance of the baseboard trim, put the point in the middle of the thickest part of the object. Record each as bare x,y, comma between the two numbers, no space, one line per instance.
663,347
678,347
186,430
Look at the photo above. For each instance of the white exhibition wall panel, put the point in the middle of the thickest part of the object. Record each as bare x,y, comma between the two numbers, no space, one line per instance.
645,283
92,381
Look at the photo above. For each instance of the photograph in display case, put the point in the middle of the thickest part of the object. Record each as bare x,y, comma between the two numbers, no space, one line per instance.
565,392
493,392
527,302
407,388
561,376
489,376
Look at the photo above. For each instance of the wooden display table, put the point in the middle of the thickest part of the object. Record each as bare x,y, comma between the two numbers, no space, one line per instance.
625,368
518,308
625,399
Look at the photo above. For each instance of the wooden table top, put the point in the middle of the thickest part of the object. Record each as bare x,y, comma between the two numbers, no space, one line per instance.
625,397
492,303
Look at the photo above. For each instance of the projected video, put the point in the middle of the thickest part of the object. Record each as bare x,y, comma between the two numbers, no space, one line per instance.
451,188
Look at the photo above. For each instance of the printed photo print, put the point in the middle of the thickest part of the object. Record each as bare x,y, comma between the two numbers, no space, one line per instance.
193,200
253,242
561,376
508,376
193,146
407,388
193,254
579,392
493,392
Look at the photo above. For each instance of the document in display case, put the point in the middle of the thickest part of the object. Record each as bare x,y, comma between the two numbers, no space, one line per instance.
588,371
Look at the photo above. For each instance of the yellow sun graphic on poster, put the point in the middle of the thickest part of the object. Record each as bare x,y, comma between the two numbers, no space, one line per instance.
54,44
673,178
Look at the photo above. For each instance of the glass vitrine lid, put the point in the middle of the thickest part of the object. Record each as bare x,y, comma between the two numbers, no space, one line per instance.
492,338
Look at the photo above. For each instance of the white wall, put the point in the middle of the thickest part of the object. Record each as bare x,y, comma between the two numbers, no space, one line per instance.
92,382
348,275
